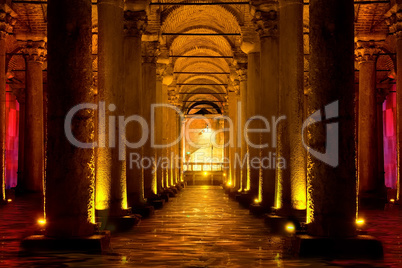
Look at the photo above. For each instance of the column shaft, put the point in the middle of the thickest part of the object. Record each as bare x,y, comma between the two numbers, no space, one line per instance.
34,131
291,179
367,139
135,23
70,175
331,210
254,107
399,113
149,98
110,167
266,22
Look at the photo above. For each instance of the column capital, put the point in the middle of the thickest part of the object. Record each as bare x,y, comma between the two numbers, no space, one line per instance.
266,18
6,23
368,48
33,50
160,71
135,23
150,51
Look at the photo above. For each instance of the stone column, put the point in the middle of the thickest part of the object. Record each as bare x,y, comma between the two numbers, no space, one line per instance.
135,24
150,52
110,161
266,21
70,208
367,156
34,52
331,173
291,178
21,140
4,29
232,113
241,70
158,124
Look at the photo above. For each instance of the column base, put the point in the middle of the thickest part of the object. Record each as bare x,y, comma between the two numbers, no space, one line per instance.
157,203
258,210
278,224
372,201
361,246
174,190
164,196
233,193
144,210
97,243
121,222
169,192
245,199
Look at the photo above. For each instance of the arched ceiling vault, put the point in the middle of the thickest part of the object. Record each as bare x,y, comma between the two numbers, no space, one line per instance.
201,41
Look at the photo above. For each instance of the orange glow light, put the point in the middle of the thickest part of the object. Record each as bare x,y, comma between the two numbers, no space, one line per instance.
205,173
360,222
229,183
42,222
9,200
392,200
290,227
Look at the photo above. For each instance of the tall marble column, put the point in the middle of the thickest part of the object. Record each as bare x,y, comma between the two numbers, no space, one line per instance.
266,21
232,113
331,173
158,125
367,50
135,24
110,166
34,52
291,179
4,29
254,108
70,178
150,51
241,70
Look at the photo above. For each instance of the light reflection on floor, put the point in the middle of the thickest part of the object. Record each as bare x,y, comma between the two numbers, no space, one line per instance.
201,227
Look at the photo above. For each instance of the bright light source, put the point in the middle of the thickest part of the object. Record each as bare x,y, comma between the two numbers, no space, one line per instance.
42,222
360,222
224,174
392,200
257,201
205,173
9,200
290,227
229,183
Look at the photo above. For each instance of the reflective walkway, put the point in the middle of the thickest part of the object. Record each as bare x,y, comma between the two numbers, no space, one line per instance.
201,227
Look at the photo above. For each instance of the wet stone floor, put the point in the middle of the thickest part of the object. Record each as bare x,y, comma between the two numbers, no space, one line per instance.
201,227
